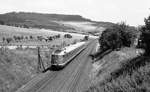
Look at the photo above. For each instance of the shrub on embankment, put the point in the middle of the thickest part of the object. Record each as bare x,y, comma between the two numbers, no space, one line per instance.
117,36
131,76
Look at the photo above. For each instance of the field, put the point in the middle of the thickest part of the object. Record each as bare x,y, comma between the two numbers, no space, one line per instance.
7,31
18,66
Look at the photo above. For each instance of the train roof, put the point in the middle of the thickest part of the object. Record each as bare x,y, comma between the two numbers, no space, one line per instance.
68,48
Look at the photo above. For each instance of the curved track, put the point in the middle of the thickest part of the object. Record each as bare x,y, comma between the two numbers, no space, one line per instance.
73,78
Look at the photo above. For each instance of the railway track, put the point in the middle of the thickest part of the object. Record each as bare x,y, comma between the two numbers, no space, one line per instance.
70,83
65,80
75,79
68,80
52,82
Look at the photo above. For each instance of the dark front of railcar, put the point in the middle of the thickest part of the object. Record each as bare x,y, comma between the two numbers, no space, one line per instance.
54,59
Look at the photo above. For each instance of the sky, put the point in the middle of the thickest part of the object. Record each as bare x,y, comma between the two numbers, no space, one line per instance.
132,12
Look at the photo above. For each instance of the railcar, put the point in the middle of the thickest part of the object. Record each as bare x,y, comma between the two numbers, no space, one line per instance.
62,57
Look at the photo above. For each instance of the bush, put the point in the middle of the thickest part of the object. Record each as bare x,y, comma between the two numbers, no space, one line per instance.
8,40
110,39
147,23
117,37
114,38
145,36
67,36
133,76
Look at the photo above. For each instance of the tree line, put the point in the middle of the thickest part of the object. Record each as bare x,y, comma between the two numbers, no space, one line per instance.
123,35
21,38
116,37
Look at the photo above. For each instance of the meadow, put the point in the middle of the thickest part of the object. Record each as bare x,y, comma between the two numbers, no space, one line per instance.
18,66
10,32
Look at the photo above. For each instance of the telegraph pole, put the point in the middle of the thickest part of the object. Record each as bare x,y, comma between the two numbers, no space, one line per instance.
40,65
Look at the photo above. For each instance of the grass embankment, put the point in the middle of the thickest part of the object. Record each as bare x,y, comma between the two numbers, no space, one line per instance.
122,71
17,67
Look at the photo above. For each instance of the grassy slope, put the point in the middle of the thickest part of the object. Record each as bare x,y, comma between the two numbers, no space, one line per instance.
122,71
8,31
16,68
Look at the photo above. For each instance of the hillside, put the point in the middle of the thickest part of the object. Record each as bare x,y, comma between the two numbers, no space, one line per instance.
39,20
16,68
48,21
121,71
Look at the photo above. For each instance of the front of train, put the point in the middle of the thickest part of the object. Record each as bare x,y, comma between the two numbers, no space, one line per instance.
56,59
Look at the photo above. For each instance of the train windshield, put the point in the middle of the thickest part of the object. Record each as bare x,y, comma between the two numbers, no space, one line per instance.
54,59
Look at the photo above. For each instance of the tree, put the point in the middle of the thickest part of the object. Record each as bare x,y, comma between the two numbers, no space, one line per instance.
40,38
25,26
4,39
144,38
128,33
114,38
8,40
110,39
67,36
58,36
86,38
19,38
15,38
50,38
26,37
22,37
147,23
2,22
31,37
